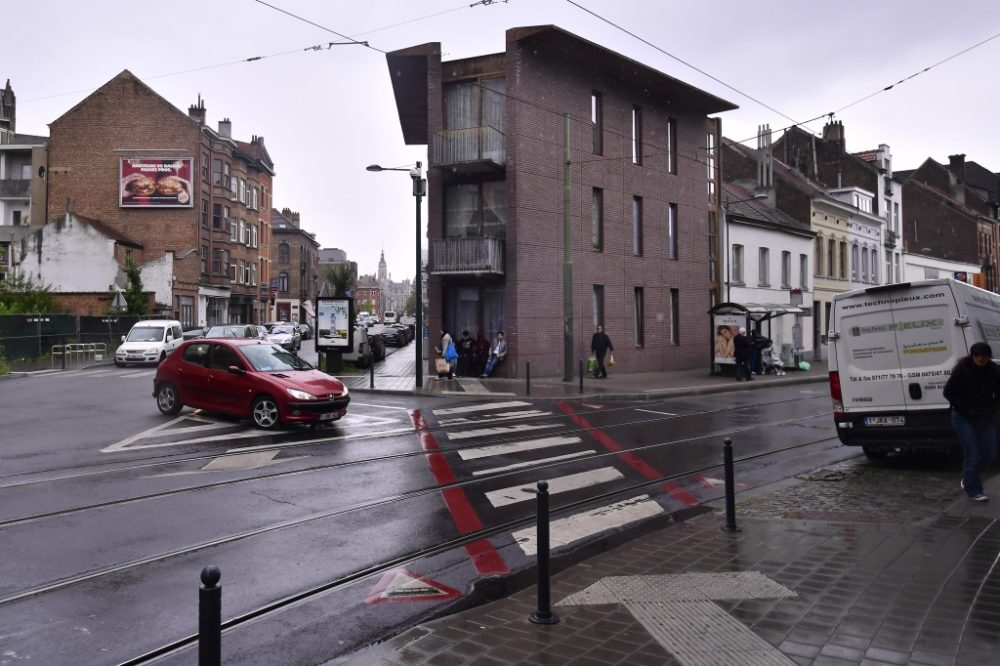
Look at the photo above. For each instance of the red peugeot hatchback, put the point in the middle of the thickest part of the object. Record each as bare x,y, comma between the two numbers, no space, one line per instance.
251,378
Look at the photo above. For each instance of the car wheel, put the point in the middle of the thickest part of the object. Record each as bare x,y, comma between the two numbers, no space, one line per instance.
163,357
119,364
167,399
264,413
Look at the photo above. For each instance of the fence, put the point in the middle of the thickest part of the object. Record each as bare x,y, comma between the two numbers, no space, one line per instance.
33,336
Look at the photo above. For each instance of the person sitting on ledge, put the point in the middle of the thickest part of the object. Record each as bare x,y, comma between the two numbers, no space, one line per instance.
498,352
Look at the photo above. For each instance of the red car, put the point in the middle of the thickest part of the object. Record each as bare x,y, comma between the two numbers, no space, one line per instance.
248,378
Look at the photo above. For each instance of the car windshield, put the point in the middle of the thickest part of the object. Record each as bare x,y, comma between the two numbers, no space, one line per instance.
226,332
281,330
272,358
146,334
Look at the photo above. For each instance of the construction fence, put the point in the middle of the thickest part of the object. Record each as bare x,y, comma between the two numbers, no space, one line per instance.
26,337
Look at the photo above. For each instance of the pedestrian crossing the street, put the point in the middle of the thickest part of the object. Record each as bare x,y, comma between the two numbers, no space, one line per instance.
508,439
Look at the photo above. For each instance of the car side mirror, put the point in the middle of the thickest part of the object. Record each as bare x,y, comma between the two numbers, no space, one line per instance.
123,338
170,337
235,370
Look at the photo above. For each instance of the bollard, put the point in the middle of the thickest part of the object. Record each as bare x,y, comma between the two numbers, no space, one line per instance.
371,372
544,614
581,375
527,377
210,618
727,459
64,357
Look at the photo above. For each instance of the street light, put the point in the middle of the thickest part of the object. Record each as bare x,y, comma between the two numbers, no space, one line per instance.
419,190
729,250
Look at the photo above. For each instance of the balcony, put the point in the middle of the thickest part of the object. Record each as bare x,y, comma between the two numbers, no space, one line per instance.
474,150
13,188
890,238
466,256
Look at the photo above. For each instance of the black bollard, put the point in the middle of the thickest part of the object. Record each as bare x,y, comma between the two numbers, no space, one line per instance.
581,375
210,618
727,459
371,372
527,377
544,614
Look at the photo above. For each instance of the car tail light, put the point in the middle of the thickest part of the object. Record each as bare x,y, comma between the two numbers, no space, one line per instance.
835,393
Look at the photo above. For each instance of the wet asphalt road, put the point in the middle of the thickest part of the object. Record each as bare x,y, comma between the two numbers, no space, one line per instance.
109,510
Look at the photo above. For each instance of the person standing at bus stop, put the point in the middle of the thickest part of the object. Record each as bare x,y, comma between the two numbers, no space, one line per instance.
973,391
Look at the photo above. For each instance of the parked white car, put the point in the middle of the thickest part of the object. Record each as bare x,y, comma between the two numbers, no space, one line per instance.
149,341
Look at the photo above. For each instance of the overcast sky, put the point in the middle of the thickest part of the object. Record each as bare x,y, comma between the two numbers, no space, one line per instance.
326,114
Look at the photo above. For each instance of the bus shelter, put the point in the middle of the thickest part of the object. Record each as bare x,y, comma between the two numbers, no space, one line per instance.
728,318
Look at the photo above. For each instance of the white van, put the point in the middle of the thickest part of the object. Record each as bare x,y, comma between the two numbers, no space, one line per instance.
389,317
149,341
892,349
361,353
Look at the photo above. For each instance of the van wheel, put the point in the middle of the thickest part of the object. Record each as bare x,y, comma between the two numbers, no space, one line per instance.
163,357
875,454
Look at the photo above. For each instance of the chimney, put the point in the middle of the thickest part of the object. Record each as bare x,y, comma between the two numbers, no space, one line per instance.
197,111
833,131
765,162
226,128
956,177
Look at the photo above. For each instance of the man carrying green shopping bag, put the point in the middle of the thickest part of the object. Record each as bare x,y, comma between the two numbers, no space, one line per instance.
600,346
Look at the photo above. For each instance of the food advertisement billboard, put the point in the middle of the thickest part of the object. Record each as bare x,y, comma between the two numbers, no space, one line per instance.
333,323
152,182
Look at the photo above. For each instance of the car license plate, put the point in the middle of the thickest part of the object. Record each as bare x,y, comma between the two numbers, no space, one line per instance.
134,357
328,416
885,420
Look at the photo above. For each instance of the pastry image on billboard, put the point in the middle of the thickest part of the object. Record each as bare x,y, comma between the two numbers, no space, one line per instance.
138,185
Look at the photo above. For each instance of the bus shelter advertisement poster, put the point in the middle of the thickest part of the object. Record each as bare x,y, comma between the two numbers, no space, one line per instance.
155,183
725,327
333,323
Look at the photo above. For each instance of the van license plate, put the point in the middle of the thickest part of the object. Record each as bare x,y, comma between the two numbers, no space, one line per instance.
885,420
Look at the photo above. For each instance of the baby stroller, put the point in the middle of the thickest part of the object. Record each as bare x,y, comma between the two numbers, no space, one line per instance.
772,362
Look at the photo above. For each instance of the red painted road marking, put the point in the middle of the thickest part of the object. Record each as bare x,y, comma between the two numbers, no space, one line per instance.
485,557
404,585
676,491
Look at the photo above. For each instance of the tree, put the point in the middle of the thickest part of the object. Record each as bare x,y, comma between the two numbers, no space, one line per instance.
22,295
340,277
411,304
136,301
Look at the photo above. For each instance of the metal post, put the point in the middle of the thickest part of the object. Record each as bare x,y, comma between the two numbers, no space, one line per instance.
727,458
210,618
418,192
544,614
581,375
567,261
527,377
371,371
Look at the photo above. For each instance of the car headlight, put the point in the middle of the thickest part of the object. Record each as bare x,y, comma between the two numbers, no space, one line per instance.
345,393
300,395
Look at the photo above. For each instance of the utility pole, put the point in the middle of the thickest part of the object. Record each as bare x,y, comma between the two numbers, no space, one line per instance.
567,262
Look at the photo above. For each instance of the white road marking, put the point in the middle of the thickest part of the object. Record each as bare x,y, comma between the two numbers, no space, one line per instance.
653,411
578,526
515,447
523,414
480,407
530,463
503,430
561,484
472,386
147,373
365,404
360,435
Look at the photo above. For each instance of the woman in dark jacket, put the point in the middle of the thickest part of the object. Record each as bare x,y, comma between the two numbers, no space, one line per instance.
973,390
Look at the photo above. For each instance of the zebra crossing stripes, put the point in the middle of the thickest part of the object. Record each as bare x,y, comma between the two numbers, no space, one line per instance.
522,414
516,447
502,430
481,407
533,463
560,484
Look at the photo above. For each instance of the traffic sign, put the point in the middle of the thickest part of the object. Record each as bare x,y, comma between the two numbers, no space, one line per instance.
404,585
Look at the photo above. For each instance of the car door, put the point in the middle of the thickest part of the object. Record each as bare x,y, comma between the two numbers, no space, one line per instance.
230,392
192,375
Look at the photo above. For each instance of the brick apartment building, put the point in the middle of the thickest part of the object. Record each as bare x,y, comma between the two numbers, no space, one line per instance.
642,202
295,258
191,196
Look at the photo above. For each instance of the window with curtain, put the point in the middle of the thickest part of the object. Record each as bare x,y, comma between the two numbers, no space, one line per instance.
598,305
831,249
475,210
597,218
284,250
737,262
819,255
637,226
470,104
786,270
843,260
763,267
803,271
672,244
637,135
672,145
597,122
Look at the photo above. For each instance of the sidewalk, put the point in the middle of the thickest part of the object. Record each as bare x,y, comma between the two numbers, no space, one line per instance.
859,563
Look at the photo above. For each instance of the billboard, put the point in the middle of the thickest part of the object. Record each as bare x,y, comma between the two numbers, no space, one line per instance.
153,182
726,326
333,323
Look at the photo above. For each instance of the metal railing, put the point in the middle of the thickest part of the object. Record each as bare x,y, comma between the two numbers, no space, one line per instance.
472,144
76,355
467,255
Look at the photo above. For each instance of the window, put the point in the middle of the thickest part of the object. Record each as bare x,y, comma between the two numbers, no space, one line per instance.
672,245
25,172
786,270
640,307
217,262
253,274
16,218
283,253
803,271
233,268
226,180
253,198
763,267
217,216
597,122
671,145
246,266
204,259
895,216
819,255
637,226
831,248
864,264
713,242
843,260
253,235
204,166
737,264
234,231
597,218
874,266
283,282
598,305
223,357
710,164
675,317
204,213
475,210
217,173
234,183
243,191
242,231
637,135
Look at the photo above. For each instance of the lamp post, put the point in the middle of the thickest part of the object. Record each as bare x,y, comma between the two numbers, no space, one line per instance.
729,250
419,190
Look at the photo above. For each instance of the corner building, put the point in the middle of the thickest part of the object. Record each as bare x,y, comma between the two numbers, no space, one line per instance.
209,242
643,197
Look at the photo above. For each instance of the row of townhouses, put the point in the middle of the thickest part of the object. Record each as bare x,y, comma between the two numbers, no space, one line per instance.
554,161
